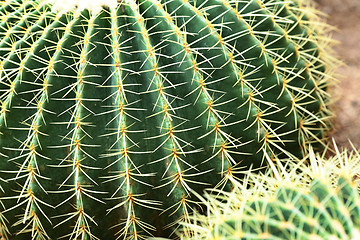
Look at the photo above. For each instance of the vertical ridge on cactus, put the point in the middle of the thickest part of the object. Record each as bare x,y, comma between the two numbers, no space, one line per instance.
113,112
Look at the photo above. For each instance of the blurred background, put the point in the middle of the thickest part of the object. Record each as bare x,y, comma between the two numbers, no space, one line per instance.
345,16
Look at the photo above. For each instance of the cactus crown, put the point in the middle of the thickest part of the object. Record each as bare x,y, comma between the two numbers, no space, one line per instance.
109,118
79,5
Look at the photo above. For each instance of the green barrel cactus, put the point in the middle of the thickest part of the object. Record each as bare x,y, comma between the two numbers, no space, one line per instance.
112,112
322,205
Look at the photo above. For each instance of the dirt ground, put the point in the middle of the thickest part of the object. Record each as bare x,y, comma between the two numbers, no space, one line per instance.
345,16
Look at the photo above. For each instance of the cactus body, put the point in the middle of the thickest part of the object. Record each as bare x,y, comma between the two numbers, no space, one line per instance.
293,214
321,205
110,117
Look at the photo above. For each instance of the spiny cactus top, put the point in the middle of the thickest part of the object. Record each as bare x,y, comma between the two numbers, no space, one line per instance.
110,116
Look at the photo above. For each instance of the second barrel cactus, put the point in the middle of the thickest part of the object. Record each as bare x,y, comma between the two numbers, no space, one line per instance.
111,115
317,201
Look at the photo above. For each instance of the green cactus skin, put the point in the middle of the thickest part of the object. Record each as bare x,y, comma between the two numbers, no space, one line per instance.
320,202
110,119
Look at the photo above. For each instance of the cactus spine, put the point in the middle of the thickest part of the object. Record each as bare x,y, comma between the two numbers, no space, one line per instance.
111,116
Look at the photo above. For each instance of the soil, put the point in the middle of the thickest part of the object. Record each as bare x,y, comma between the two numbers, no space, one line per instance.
345,16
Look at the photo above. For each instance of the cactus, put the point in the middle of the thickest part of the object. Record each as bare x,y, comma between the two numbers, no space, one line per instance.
113,112
319,201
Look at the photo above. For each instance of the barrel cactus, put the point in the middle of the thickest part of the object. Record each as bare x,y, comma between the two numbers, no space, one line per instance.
319,202
112,112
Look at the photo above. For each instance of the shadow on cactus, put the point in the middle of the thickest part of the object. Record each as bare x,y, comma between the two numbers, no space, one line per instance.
111,114
293,200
